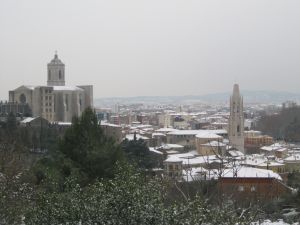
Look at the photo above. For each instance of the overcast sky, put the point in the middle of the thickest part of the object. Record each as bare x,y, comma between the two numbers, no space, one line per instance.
153,47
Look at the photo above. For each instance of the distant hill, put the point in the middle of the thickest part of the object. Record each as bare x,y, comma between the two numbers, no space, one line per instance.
275,97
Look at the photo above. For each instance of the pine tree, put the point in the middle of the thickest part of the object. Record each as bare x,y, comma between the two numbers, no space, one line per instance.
85,144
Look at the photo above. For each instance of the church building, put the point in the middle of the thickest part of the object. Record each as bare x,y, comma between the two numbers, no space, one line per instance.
54,101
236,120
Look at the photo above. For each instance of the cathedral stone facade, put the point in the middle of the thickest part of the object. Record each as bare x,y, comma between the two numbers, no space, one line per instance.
54,101
236,120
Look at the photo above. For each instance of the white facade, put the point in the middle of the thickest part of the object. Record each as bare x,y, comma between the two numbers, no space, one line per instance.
236,120
54,101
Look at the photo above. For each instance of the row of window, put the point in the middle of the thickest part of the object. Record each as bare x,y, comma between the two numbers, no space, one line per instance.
242,188
48,91
172,167
48,109
59,75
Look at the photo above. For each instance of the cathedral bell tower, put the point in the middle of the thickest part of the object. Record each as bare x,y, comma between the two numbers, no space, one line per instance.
236,120
56,72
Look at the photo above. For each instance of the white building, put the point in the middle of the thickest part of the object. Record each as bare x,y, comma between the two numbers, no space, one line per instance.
54,101
236,120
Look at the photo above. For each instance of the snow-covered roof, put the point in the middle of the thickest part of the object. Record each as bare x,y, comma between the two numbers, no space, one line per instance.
191,160
31,87
254,160
28,119
64,123
272,147
270,163
196,132
281,150
169,152
214,144
269,222
250,172
171,146
138,136
67,88
166,129
235,153
109,124
155,151
158,134
208,135
173,159
293,158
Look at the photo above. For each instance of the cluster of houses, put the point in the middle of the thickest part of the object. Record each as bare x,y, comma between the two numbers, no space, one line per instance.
211,145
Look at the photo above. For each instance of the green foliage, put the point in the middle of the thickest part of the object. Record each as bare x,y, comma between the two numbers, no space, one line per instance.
11,124
137,152
15,196
128,198
85,144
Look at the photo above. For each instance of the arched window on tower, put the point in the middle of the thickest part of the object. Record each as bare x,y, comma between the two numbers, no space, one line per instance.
49,75
238,129
22,99
67,102
59,74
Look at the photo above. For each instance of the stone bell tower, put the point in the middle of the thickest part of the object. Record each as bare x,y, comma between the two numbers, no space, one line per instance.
56,72
236,120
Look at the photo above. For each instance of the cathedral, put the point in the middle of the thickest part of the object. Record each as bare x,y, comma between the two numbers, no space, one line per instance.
236,120
54,101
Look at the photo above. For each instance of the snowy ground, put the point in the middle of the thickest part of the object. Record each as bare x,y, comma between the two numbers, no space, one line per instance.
278,222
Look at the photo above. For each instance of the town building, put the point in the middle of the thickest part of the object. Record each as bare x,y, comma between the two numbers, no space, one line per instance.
247,183
236,120
113,131
54,101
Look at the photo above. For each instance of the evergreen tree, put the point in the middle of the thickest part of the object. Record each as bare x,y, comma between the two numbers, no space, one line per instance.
137,152
85,144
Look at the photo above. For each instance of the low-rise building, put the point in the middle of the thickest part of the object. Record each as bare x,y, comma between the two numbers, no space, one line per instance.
292,163
247,183
211,148
112,130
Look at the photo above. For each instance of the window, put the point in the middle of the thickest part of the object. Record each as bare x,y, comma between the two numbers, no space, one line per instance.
59,74
80,101
22,98
67,103
49,75
238,129
253,188
241,188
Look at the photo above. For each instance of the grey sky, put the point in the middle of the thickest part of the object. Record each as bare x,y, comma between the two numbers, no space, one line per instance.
154,47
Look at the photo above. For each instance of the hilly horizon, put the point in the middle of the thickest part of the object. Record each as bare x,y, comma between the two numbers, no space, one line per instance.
274,97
